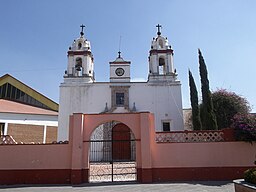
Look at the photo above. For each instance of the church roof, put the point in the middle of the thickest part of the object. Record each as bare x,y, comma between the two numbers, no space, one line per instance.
13,89
8,106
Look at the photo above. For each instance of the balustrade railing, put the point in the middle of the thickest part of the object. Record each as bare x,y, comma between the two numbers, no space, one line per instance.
194,136
7,140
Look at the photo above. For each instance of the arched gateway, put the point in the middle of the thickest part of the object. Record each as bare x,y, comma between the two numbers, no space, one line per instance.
118,143
112,154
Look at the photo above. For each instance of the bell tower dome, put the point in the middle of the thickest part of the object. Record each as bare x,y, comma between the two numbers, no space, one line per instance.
161,59
80,59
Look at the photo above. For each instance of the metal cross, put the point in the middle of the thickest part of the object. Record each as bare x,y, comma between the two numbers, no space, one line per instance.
82,31
158,29
82,26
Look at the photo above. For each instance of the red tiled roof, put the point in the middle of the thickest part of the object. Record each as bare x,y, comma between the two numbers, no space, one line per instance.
7,106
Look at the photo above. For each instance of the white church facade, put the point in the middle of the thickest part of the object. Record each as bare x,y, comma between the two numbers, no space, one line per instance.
159,95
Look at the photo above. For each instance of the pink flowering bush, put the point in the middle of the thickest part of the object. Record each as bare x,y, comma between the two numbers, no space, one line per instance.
245,127
226,105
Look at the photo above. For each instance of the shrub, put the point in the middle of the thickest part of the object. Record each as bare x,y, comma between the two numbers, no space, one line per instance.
245,127
226,105
250,175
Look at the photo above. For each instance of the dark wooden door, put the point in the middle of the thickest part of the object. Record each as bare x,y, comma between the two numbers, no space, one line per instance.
121,142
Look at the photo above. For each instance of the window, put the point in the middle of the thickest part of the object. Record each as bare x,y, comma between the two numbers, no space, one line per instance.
14,89
25,98
166,126
120,99
17,94
4,90
9,87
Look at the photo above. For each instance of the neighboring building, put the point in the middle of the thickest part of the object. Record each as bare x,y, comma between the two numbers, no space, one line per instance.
25,114
160,95
15,90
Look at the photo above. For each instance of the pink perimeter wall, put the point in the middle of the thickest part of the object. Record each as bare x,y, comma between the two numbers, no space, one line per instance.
214,154
69,163
26,164
35,157
201,161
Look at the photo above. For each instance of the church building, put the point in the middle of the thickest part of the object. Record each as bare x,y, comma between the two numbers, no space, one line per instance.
159,95
117,131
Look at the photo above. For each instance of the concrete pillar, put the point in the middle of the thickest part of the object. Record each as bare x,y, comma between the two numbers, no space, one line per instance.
146,168
45,130
76,139
6,128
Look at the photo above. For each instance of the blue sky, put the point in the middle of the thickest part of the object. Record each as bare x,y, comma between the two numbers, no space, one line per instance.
35,36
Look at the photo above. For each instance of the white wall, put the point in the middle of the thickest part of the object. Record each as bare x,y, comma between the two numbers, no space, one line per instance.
161,99
164,101
82,98
29,117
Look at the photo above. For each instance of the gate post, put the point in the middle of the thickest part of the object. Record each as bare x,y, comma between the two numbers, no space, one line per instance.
76,139
146,162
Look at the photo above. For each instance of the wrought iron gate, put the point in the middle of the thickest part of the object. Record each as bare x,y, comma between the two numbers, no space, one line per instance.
112,154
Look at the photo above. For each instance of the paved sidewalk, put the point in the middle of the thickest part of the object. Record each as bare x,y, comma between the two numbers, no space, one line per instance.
211,186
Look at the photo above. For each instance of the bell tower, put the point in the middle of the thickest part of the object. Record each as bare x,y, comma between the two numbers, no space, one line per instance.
80,59
161,59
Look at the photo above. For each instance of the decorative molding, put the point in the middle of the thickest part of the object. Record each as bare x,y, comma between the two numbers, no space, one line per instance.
119,89
79,53
120,62
154,51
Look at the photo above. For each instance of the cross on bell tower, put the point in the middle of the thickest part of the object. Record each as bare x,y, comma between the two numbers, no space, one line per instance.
82,30
158,29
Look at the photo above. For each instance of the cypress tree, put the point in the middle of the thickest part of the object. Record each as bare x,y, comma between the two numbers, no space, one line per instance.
194,103
208,116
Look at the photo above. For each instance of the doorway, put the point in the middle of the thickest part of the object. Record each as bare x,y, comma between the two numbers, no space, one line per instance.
112,154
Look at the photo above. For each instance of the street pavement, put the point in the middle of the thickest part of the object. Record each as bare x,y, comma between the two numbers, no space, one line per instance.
211,186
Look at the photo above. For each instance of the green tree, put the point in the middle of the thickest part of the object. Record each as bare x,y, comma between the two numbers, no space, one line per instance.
207,116
227,105
194,103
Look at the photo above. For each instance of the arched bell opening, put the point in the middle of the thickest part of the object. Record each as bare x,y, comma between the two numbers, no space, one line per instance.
161,65
79,66
79,45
